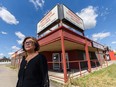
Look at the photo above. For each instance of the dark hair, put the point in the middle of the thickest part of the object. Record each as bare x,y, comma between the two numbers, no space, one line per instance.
35,43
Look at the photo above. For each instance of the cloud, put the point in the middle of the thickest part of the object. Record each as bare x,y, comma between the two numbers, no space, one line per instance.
2,32
89,16
100,36
1,55
114,42
10,53
104,13
37,3
15,48
20,36
6,16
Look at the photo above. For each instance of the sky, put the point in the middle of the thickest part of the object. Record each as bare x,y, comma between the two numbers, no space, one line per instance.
19,18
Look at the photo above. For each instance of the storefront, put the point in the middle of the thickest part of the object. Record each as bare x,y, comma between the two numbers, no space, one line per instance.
62,41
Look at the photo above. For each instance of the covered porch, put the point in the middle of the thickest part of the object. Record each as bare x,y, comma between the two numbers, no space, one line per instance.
66,50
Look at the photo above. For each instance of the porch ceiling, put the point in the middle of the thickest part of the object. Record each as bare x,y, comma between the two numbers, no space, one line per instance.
56,46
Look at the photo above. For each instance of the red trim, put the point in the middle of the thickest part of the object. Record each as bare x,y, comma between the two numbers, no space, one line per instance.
69,39
49,42
68,35
50,33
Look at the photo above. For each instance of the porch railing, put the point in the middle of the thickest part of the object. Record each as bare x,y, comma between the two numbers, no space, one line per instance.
79,70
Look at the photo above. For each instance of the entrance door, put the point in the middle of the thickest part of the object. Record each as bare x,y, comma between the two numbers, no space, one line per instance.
56,61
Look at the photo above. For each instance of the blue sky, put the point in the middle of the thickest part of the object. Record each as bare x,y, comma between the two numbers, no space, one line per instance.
19,18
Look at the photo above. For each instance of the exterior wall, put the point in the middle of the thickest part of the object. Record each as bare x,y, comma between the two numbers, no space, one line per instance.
112,57
73,55
80,55
48,55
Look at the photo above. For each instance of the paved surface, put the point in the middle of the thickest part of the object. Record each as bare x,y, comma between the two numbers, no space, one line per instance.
8,77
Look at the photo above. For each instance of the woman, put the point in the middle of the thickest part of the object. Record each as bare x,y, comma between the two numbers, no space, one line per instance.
33,70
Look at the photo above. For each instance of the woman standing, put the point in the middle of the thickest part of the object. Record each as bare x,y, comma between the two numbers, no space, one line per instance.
33,70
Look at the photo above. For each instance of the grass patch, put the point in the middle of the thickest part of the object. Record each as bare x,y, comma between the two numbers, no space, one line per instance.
12,67
102,78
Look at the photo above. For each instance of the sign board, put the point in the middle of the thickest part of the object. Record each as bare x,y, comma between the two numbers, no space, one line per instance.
50,18
60,12
73,18
96,45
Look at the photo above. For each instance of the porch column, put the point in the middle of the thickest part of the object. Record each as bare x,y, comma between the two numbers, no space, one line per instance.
63,57
87,57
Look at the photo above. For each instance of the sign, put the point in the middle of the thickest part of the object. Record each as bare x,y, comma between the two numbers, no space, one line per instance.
96,45
50,18
73,18
60,12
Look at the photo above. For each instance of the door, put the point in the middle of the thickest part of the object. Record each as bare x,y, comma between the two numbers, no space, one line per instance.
56,61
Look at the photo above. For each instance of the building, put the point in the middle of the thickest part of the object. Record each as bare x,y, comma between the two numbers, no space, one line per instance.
62,41
5,60
16,58
112,55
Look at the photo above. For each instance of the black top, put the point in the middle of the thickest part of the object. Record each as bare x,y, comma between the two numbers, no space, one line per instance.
34,73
